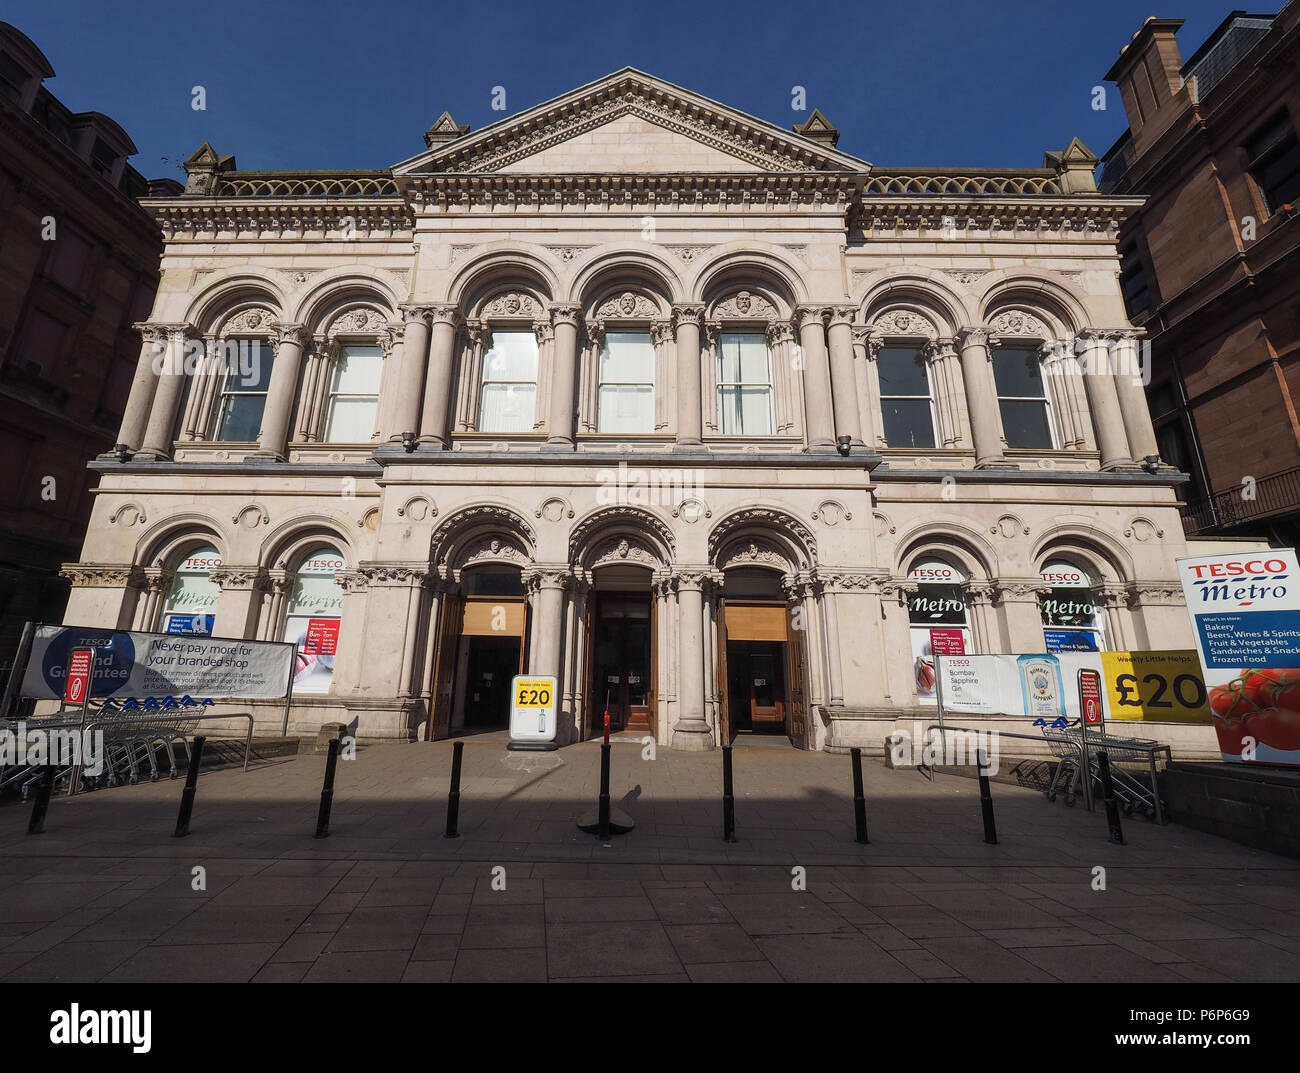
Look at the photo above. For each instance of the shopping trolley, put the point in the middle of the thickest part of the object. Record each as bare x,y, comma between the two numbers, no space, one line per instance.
1065,746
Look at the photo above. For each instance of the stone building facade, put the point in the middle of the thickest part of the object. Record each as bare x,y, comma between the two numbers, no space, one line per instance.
703,416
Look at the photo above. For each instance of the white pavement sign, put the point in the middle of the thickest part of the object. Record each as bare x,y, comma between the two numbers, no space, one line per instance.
533,708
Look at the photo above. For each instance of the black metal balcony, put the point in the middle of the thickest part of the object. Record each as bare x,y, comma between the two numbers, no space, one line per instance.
1267,500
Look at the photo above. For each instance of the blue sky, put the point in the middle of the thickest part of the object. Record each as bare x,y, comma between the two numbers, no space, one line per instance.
347,85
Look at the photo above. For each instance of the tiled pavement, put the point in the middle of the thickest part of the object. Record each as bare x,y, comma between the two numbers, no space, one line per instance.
107,894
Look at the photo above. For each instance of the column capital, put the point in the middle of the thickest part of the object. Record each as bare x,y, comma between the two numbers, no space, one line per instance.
536,578
688,313
842,315
412,313
544,330
325,347
693,578
806,315
294,334
444,313
975,335
564,313
777,331
939,349
661,331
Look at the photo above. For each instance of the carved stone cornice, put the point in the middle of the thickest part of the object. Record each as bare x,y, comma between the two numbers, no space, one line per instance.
402,575
351,581
1019,590
198,218
1148,593
103,575
238,578
837,580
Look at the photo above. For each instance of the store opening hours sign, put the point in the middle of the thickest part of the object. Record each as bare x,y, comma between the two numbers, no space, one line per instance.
322,637
81,665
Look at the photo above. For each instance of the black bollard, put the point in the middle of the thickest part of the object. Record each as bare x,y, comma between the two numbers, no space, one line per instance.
1108,799
986,800
859,797
728,798
42,803
602,822
191,788
453,796
327,792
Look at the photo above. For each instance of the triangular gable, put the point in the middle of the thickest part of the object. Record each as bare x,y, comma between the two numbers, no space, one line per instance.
631,121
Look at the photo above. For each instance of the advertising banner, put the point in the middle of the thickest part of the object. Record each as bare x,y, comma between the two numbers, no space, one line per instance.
1245,610
1033,686
158,664
1161,687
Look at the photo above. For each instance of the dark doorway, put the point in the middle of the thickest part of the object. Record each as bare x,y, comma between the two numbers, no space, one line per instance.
622,663
492,663
756,686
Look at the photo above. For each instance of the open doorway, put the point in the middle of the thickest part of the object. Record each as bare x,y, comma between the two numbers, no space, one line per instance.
756,686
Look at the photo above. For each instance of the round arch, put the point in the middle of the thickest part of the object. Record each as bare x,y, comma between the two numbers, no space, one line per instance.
468,534
950,541
290,542
592,534
496,266
220,297
168,539
757,269
926,289
338,290
612,268
1037,291
772,526
1098,552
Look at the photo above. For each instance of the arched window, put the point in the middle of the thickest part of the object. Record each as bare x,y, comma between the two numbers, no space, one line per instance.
1022,397
353,408
191,604
509,392
1074,617
311,619
246,380
906,396
940,624
625,391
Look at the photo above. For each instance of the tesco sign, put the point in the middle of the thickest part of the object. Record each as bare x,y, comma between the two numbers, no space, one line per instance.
936,570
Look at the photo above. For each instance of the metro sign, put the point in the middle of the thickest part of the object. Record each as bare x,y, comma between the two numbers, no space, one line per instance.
1222,580
1244,607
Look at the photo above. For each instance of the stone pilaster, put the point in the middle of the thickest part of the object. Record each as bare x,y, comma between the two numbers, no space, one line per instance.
819,409
168,363
981,397
844,387
1103,400
435,415
281,391
561,427
686,322
417,330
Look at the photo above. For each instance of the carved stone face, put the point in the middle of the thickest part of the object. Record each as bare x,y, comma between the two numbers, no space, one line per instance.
512,304
627,303
743,301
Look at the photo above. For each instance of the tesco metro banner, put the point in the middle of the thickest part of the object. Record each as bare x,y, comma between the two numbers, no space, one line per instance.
1245,609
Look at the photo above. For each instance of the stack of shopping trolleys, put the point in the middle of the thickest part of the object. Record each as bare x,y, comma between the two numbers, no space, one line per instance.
1132,765
136,741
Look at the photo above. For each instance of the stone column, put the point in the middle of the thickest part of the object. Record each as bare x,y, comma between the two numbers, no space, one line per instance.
406,687
1103,401
136,414
979,602
692,731
831,628
865,348
1133,400
152,585
1119,617
687,320
434,422
981,398
1022,616
560,430
941,355
274,435
547,585
240,603
417,324
818,406
848,421
169,386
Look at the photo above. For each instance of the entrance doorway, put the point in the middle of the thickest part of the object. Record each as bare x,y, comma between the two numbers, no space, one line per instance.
756,686
491,663
622,632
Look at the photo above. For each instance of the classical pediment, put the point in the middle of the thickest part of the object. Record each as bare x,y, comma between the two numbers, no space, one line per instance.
631,122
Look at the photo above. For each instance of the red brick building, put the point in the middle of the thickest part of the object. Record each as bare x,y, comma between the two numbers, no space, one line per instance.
1211,262
78,266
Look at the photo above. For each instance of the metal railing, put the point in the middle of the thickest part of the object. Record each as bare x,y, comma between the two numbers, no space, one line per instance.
1267,497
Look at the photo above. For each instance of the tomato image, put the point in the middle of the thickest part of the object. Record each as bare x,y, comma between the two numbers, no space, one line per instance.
1224,699
1273,687
1278,728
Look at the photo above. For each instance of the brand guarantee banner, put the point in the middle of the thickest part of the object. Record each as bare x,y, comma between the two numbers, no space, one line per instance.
158,664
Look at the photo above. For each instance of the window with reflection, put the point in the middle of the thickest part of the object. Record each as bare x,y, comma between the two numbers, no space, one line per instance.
906,400
625,400
353,407
508,401
191,603
243,393
1022,397
744,384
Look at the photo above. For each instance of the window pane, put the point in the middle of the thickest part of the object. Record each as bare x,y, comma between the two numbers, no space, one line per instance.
351,420
250,368
628,358
907,422
902,371
745,410
1018,373
513,357
626,409
1024,423
357,370
507,407
744,358
241,418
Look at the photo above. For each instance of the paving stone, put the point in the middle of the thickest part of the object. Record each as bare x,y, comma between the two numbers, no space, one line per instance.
623,949
835,958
